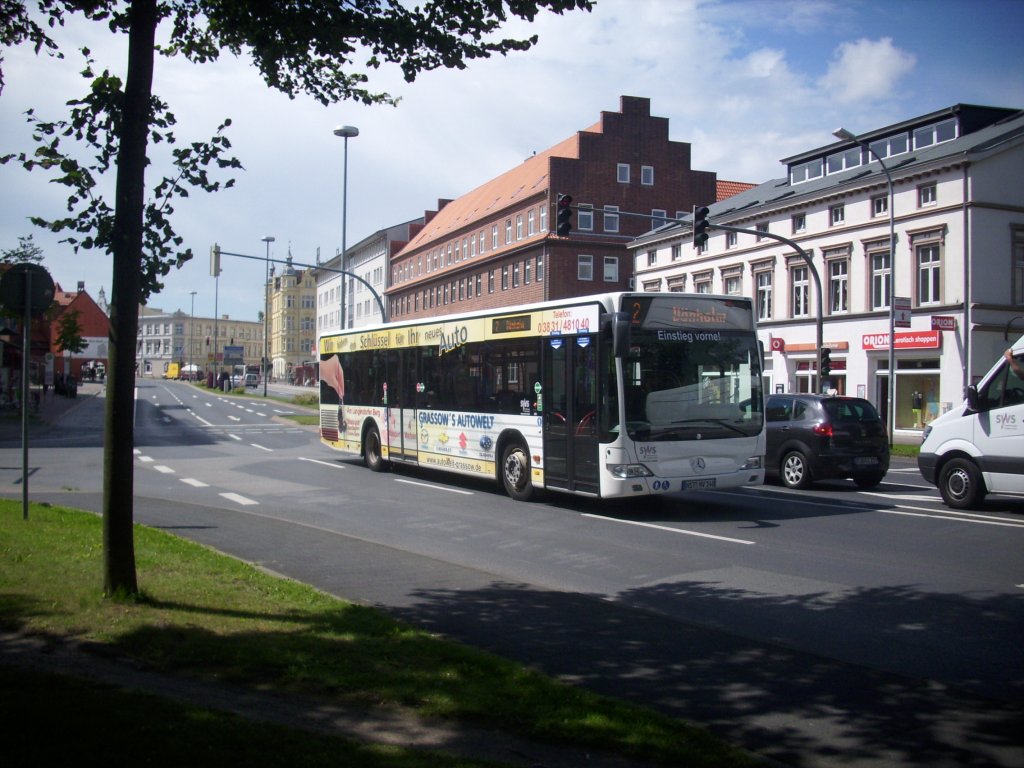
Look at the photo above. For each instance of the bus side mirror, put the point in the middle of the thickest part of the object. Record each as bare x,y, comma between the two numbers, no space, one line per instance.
619,323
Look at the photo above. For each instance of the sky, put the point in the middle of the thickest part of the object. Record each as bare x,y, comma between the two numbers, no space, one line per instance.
745,82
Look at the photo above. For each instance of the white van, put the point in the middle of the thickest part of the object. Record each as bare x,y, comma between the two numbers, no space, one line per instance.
978,448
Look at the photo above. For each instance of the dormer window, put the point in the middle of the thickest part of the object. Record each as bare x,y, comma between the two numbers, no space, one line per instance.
935,134
812,169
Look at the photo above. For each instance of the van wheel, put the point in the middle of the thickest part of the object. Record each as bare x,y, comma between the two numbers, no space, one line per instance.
515,472
961,484
794,471
372,454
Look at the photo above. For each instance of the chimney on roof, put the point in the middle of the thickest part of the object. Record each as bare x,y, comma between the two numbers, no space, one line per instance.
81,286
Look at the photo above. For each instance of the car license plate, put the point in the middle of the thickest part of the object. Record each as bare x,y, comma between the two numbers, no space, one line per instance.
865,461
696,485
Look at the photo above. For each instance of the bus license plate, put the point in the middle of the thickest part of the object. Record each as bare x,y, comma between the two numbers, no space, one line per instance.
697,485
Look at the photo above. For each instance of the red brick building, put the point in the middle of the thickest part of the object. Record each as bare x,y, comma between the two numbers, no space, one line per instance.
496,245
94,327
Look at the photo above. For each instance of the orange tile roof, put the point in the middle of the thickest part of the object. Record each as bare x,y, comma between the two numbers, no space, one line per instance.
726,189
525,180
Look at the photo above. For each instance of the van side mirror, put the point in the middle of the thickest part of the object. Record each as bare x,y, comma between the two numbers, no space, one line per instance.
972,398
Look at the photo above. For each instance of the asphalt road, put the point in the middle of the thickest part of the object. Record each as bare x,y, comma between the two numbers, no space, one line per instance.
807,644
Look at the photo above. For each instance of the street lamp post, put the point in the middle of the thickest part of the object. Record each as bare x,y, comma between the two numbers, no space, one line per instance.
346,132
846,135
266,315
191,335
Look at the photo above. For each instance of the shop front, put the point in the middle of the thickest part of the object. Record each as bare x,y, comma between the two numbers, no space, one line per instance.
916,397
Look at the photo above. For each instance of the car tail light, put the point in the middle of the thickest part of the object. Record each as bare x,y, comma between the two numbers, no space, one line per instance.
825,430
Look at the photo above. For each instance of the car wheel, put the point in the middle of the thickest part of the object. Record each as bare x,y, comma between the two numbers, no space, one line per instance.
515,472
868,481
372,453
961,484
794,471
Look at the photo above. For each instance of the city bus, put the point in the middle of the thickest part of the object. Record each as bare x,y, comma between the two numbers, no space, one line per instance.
611,396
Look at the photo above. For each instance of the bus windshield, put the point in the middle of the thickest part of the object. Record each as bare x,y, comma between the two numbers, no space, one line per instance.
693,371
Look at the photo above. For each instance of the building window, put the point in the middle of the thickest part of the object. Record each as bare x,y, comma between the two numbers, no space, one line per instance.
531,225
839,286
519,226
702,285
677,252
585,267
647,175
622,173
515,275
676,284
504,278
479,284
799,223
806,171
652,258
494,237
540,268
527,264
543,218
764,295
1018,266
733,285
659,216
889,146
508,231
611,218
761,229
926,195
801,289
880,205
585,217
652,286
611,269
843,161
929,275
881,277
935,134
490,281
836,215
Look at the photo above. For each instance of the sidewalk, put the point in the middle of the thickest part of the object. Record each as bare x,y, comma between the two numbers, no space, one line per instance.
52,408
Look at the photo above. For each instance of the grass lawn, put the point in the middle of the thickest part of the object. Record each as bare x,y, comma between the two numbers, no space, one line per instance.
209,616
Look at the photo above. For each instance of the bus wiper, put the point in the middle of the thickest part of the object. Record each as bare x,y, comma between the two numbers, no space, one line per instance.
708,420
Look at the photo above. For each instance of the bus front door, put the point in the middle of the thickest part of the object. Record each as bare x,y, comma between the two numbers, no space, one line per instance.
570,413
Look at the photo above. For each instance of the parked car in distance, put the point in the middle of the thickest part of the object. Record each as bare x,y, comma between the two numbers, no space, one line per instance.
251,380
818,437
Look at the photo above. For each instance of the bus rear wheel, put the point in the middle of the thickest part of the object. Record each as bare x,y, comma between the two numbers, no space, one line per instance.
372,454
515,472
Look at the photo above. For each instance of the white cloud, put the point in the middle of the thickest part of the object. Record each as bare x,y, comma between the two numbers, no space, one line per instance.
866,70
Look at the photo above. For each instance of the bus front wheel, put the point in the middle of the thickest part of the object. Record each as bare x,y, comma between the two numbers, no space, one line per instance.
372,454
515,472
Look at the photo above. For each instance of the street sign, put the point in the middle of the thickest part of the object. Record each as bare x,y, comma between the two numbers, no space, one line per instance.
943,323
901,309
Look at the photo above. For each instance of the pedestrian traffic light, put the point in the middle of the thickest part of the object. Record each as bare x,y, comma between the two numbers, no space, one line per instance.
826,361
700,225
564,217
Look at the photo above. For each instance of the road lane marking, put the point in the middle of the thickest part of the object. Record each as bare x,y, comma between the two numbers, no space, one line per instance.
239,499
331,464
262,447
435,487
164,469
668,528
145,459
234,437
194,483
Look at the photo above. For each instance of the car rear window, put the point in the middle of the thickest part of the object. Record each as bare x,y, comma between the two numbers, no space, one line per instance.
851,410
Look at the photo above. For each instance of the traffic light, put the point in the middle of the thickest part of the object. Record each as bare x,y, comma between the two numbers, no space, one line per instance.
700,225
563,224
826,362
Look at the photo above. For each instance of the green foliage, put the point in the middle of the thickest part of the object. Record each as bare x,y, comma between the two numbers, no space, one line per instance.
26,252
69,333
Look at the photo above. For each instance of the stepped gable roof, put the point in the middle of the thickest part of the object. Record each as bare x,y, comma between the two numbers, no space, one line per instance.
522,181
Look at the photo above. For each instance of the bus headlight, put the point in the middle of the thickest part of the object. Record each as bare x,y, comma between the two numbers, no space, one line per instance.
754,462
625,471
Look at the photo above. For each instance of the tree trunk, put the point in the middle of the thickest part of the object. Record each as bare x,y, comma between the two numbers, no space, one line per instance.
126,293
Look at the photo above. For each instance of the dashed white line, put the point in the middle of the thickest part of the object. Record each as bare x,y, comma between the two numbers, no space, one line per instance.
331,464
262,447
194,483
145,459
164,469
668,528
434,487
239,499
